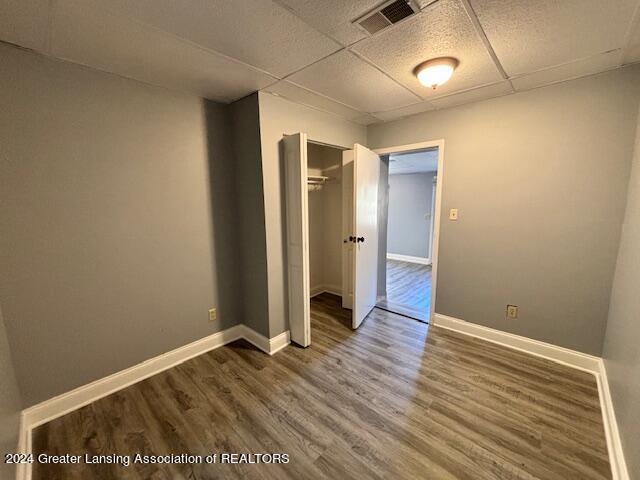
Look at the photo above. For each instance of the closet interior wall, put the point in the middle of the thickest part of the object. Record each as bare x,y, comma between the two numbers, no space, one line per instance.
325,220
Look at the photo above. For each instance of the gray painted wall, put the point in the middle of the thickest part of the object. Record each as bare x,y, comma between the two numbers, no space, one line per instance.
622,340
117,213
10,404
409,210
540,179
251,240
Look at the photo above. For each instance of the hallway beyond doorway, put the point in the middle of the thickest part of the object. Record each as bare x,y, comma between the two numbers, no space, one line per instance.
408,289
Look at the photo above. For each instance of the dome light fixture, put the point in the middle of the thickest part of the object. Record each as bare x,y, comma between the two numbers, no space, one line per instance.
436,71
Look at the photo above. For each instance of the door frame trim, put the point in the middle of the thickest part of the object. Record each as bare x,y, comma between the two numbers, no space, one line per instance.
413,147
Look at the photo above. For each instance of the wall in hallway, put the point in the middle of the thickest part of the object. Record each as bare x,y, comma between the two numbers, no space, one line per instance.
410,214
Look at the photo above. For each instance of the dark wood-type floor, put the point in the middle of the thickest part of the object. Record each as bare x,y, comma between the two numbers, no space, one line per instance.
408,289
386,401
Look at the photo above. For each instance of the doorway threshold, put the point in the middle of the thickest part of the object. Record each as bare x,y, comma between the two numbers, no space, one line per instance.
405,311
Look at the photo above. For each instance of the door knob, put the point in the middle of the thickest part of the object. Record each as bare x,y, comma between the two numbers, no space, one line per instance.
360,239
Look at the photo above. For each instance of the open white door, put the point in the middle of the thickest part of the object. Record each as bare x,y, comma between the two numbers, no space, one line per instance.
347,229
366,176
295,159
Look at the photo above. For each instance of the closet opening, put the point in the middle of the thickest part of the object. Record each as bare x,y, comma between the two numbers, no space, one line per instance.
325,212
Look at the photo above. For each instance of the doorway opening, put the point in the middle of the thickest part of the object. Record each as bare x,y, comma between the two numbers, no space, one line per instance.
408,224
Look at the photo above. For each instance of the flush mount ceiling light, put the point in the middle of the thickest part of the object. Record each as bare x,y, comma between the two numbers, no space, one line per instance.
436,71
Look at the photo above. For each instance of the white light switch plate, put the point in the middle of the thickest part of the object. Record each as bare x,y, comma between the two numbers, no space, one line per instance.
453,214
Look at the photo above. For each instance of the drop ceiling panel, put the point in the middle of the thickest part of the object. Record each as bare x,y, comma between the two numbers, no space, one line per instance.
349,80
442,29
596,64
333,17
366,119
475,95
529,36
417,162
424,3
397,113
121,46
25,23
257,32
300,95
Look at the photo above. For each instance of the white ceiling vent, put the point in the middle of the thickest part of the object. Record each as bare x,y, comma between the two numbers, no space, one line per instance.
387,14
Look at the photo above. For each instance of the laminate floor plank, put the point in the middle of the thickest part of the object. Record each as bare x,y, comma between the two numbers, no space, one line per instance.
394,399
408,289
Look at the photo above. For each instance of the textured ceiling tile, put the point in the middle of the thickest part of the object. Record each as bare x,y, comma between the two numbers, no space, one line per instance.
529,36
300,95
414,162
350,80
86,36
587,66
25,23
475,95
333,17
396,113
258,32
424,3
366,119
443,29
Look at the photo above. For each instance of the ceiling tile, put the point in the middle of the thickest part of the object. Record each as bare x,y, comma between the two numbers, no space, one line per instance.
396,113
333,17
366,119
414,162
529,36
474,95
85,35
587,66
443,29
424,3
257,32
25,23
350,80
301,95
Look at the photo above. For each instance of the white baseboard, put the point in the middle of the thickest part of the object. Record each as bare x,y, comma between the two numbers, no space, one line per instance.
408,258
557,354
612,434
565,356
278,342
55,407
333,289
267,345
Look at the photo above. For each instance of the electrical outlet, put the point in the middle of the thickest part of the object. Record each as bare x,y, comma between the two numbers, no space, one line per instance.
212,315
453,214
512,311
